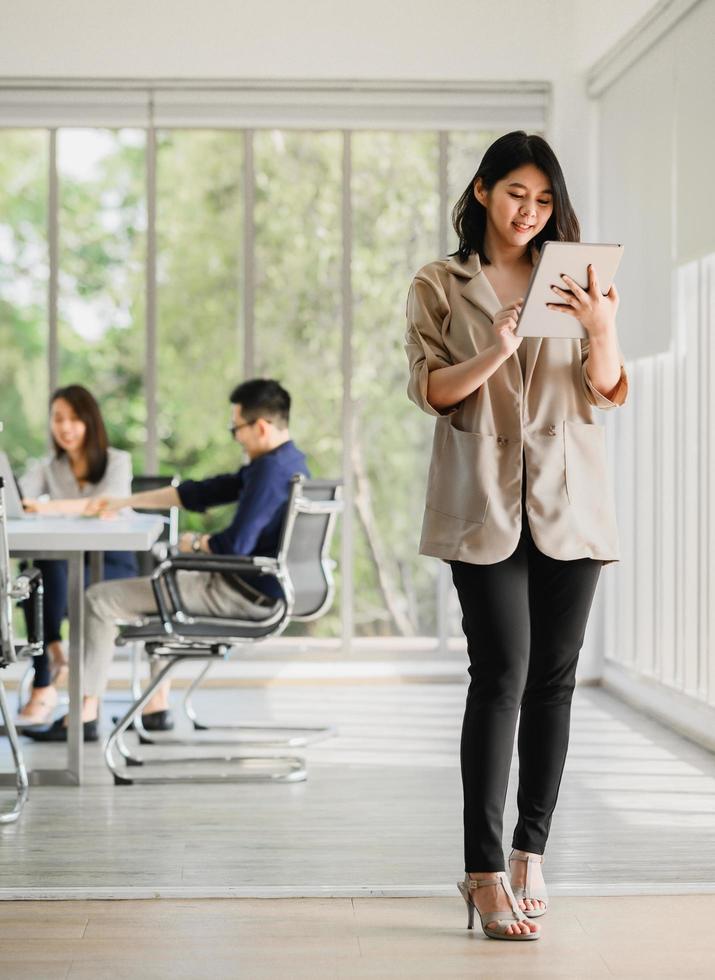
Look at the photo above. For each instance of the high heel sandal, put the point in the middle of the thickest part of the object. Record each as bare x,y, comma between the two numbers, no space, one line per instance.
38,711
528,891
503,921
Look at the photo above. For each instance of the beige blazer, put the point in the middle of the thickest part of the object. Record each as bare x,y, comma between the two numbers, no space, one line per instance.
473,505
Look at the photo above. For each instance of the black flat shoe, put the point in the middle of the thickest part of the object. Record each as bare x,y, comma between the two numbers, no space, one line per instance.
57,732
158,721
154,721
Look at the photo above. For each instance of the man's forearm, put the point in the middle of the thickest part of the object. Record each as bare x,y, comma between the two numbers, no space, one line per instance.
161,499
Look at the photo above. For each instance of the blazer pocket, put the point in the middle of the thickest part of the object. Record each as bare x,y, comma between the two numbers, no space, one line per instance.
461,474
586,466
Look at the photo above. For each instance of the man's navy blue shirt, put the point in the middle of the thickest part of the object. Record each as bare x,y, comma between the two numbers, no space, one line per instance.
261,488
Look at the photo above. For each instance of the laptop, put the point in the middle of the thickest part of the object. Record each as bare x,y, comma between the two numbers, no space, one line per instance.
13,496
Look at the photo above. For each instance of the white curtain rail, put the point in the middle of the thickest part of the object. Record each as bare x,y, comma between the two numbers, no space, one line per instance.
285,104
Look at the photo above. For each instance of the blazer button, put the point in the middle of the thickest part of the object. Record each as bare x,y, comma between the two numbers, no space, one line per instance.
552,430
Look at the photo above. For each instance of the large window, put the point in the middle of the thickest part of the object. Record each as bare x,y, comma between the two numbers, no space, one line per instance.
102,242
249,234
24,270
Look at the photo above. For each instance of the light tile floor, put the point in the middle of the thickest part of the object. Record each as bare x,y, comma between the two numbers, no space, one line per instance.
618,937
380,814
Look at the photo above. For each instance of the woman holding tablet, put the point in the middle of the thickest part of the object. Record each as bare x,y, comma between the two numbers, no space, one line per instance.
83,465
518,501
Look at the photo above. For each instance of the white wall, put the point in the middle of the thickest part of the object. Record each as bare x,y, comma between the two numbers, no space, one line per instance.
418,39
656,166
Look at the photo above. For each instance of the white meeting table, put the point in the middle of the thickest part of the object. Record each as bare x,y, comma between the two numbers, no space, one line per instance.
70,538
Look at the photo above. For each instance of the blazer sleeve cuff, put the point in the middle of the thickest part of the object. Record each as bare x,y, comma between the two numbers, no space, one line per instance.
616,397
417,391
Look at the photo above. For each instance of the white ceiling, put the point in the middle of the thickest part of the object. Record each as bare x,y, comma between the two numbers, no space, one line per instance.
400,39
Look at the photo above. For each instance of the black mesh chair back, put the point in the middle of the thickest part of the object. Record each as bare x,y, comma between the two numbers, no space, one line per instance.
311,516
169,537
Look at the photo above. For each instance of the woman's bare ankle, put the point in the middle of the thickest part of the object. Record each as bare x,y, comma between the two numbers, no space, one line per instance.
39,695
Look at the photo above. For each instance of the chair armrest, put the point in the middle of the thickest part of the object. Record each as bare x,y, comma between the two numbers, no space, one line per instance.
202,562
166,574
306,506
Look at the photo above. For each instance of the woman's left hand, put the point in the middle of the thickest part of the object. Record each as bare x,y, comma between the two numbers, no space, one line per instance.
595,312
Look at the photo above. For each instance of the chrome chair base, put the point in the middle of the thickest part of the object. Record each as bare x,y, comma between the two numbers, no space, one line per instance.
21,780
258,768
257,734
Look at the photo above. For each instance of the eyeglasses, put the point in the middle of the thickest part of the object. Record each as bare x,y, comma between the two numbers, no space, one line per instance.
233,429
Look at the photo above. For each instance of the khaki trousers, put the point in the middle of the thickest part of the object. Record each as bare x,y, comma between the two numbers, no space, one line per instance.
126,600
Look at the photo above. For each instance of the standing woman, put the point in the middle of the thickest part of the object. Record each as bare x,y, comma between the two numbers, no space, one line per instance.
82,466
518,501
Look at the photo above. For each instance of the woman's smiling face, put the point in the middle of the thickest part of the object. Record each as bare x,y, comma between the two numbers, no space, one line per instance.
518,206
68,430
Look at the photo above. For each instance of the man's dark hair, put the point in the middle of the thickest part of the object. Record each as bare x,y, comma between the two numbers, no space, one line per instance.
262,398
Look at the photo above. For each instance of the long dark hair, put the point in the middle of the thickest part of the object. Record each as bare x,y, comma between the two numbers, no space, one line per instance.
469,217
85,407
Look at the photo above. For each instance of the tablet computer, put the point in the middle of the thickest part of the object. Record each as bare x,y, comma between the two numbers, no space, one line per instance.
573,259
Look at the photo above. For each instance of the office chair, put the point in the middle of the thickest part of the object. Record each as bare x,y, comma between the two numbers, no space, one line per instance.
304,571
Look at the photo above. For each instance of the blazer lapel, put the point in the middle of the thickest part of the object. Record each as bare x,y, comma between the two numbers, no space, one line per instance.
477,289
479,292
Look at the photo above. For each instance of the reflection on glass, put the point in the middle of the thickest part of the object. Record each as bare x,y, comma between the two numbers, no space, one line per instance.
102,222
395,224
24,269
298,340
199,288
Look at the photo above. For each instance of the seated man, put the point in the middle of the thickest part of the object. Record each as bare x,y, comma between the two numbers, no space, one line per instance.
260,412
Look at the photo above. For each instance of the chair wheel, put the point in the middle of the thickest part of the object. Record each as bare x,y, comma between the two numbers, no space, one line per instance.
133,762
122,780
199,727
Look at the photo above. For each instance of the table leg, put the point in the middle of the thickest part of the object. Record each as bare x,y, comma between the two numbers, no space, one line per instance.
75,604
96,566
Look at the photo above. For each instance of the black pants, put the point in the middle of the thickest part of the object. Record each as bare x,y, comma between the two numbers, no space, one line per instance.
525,620
117,564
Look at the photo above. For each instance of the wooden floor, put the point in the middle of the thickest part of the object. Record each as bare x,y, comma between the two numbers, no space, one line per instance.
379,938
380,813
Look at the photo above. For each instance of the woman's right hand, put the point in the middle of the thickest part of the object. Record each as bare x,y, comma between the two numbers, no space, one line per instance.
99,506
505,324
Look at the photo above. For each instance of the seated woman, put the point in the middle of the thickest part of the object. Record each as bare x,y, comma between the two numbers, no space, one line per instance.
82,466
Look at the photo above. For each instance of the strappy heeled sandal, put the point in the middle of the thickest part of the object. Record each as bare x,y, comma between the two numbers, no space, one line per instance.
503,921
528,890
38,711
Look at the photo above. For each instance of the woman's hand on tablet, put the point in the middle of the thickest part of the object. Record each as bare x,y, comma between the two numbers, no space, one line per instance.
505,325
594,311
